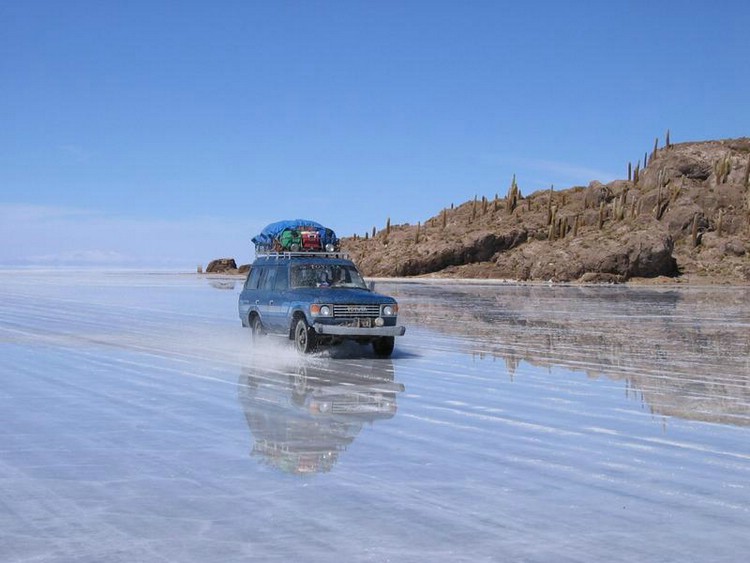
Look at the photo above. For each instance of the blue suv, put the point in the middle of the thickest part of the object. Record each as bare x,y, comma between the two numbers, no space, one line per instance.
316,299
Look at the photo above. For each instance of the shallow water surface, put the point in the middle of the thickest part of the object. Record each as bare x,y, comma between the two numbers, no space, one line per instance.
513,423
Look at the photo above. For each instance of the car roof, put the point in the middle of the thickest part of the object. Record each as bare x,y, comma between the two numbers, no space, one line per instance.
302,258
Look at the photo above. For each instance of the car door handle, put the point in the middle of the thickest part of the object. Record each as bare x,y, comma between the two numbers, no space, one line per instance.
257,301
270,302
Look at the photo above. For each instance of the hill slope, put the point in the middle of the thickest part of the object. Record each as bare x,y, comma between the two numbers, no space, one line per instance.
686,215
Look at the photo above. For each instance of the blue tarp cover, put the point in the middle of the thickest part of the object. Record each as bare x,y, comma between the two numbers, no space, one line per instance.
271,232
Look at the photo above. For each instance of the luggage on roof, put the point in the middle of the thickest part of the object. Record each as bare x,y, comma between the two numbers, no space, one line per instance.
296,235
310,239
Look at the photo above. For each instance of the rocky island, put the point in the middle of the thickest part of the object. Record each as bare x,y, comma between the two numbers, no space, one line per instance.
684,216
681,215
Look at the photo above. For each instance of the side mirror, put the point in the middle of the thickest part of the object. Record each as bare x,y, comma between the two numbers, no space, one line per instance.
371,285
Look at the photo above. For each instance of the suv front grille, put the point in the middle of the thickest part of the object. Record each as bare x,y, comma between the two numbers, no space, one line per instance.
356,311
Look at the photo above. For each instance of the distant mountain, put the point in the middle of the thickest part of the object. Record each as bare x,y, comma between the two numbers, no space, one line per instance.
685,215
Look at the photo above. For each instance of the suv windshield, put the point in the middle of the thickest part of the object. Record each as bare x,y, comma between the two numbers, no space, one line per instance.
326,275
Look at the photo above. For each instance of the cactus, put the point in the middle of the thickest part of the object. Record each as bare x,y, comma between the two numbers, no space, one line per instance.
445,218
601,215
553,223
658,201
720,223
576,224
656,146
662,209
416,236
373,232
662,179
674,191
746,181
667,142
630,171
549,205
619,207
645,159
727,167
511,200
367,235
722,168
661,205
636,173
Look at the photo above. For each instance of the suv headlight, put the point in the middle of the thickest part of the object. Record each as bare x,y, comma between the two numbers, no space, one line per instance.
322,310
390,310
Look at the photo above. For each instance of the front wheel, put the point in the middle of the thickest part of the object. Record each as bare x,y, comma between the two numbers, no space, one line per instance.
304,337
383,346
256,329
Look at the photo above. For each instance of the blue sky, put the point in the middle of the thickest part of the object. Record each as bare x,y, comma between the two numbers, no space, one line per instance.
152,132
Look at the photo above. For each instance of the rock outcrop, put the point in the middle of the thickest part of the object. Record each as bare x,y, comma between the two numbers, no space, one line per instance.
686,214
226,266
222,266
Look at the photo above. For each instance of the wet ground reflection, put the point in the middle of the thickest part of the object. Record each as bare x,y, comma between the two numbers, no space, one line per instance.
513,423
685,353
303,413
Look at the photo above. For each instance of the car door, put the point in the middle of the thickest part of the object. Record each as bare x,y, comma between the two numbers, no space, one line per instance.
280,307
266,298
249,294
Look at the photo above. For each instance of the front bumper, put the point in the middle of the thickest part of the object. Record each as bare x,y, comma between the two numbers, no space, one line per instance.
342,330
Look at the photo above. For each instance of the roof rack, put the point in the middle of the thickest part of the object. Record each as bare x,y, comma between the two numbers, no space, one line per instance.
289,254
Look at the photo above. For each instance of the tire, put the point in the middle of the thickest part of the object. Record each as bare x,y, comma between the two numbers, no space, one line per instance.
256,329
298,382
304,337
383,346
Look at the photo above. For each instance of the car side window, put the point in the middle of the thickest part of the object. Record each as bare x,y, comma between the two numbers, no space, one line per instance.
282,278
252,279
267,280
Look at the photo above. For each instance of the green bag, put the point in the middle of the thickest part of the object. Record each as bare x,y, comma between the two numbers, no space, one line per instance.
290,237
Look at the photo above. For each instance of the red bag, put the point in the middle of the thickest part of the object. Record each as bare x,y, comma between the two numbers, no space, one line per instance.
310,240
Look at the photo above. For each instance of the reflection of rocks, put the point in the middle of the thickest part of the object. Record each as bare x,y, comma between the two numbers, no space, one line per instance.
685,351
222,284
303,413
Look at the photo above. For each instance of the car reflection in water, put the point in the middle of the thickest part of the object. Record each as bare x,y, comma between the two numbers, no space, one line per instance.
303,413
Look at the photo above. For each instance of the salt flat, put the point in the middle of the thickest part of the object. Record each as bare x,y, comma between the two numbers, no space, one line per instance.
513,423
